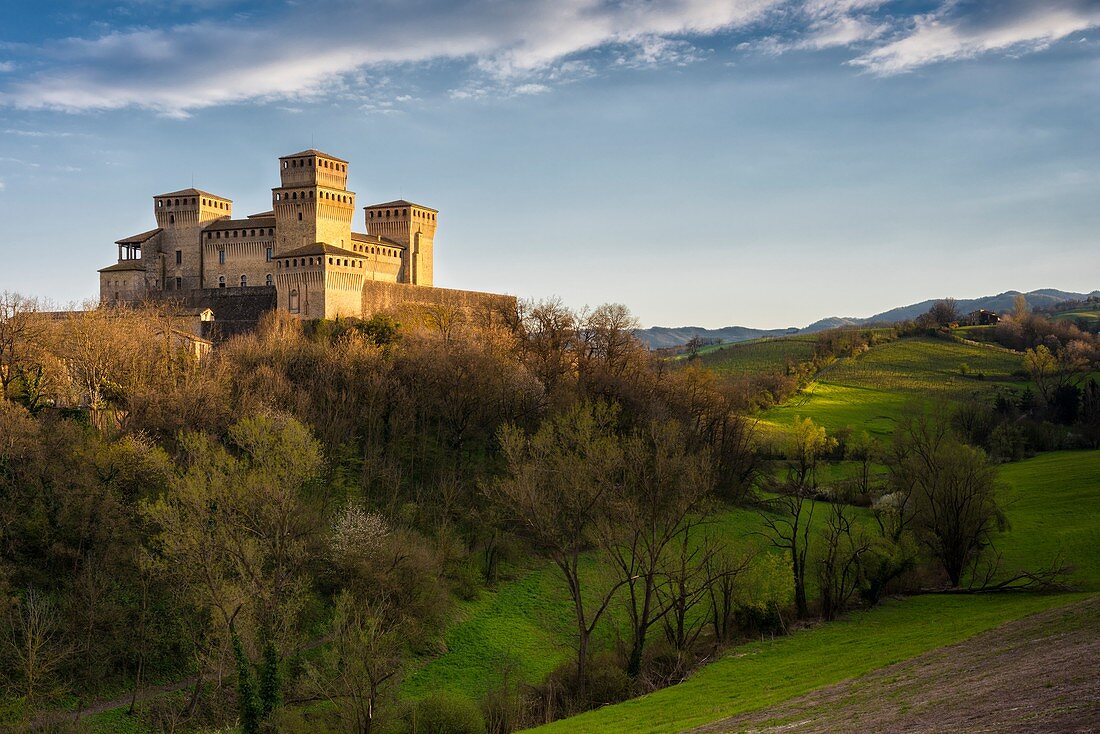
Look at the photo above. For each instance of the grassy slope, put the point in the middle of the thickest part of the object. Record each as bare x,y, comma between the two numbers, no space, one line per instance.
758,355
869,391
1053,501
1091,316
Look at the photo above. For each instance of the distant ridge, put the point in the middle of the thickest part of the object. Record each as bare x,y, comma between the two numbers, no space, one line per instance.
661,337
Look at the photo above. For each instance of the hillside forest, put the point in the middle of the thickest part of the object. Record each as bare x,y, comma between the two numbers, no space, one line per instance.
443,523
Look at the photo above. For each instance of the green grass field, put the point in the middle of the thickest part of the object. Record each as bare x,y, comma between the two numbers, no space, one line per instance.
870,391
1089,316
1052,502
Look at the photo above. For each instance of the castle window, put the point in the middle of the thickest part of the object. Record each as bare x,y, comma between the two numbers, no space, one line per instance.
221,281
171,219
294,196
221,257
293,305
268,280
234,233
179,284
269,254
330,261
244,281
299,216
284,164
295,262
405,212
179,257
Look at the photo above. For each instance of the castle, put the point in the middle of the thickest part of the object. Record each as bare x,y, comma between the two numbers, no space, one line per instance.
302,257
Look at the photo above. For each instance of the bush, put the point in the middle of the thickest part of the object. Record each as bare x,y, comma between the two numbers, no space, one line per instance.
447,713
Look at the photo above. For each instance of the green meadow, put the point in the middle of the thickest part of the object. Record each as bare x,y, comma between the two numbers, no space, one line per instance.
1052,502
870,391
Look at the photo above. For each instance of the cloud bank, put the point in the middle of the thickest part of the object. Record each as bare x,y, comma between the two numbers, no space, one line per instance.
326,47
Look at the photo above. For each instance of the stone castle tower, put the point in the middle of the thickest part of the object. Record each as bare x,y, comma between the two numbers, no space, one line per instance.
414,227
301,256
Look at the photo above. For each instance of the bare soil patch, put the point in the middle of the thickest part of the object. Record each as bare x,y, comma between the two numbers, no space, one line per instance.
1039,674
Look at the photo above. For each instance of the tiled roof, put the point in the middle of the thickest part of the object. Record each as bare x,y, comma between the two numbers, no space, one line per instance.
319,248
313,151
123,266
192,192
401,202
375,240
262,215
138,239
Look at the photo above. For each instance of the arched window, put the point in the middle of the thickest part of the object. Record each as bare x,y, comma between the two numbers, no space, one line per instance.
293,305
221,281
244,281
299,216
268,280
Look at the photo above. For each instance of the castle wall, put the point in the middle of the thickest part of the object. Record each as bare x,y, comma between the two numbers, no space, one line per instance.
343,290
122,286
414,301
246,253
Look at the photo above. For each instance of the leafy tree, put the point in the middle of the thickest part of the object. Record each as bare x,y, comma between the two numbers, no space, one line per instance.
238,529
360,667
945,491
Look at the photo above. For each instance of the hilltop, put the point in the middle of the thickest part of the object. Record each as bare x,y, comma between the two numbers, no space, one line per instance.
661,337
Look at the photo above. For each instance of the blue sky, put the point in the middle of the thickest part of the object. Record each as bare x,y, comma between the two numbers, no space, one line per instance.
706,162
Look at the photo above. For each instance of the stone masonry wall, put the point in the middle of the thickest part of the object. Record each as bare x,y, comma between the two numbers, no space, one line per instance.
408,300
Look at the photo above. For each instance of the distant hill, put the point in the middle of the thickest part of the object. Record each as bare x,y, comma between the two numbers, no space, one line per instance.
660,337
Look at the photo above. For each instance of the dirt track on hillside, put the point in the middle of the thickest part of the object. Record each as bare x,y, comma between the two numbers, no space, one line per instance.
1039,674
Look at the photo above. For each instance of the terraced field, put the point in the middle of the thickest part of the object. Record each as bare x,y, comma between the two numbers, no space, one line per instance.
758,355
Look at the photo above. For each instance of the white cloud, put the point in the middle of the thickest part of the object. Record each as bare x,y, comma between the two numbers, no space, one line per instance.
308,49
823,24
1018,26
1,185
7,66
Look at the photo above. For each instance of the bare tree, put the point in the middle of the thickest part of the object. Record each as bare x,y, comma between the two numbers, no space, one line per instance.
789,515
21,329
556,488
840,568
660,501
36,647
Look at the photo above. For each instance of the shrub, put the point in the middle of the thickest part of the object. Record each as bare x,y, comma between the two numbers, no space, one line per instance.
447,713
